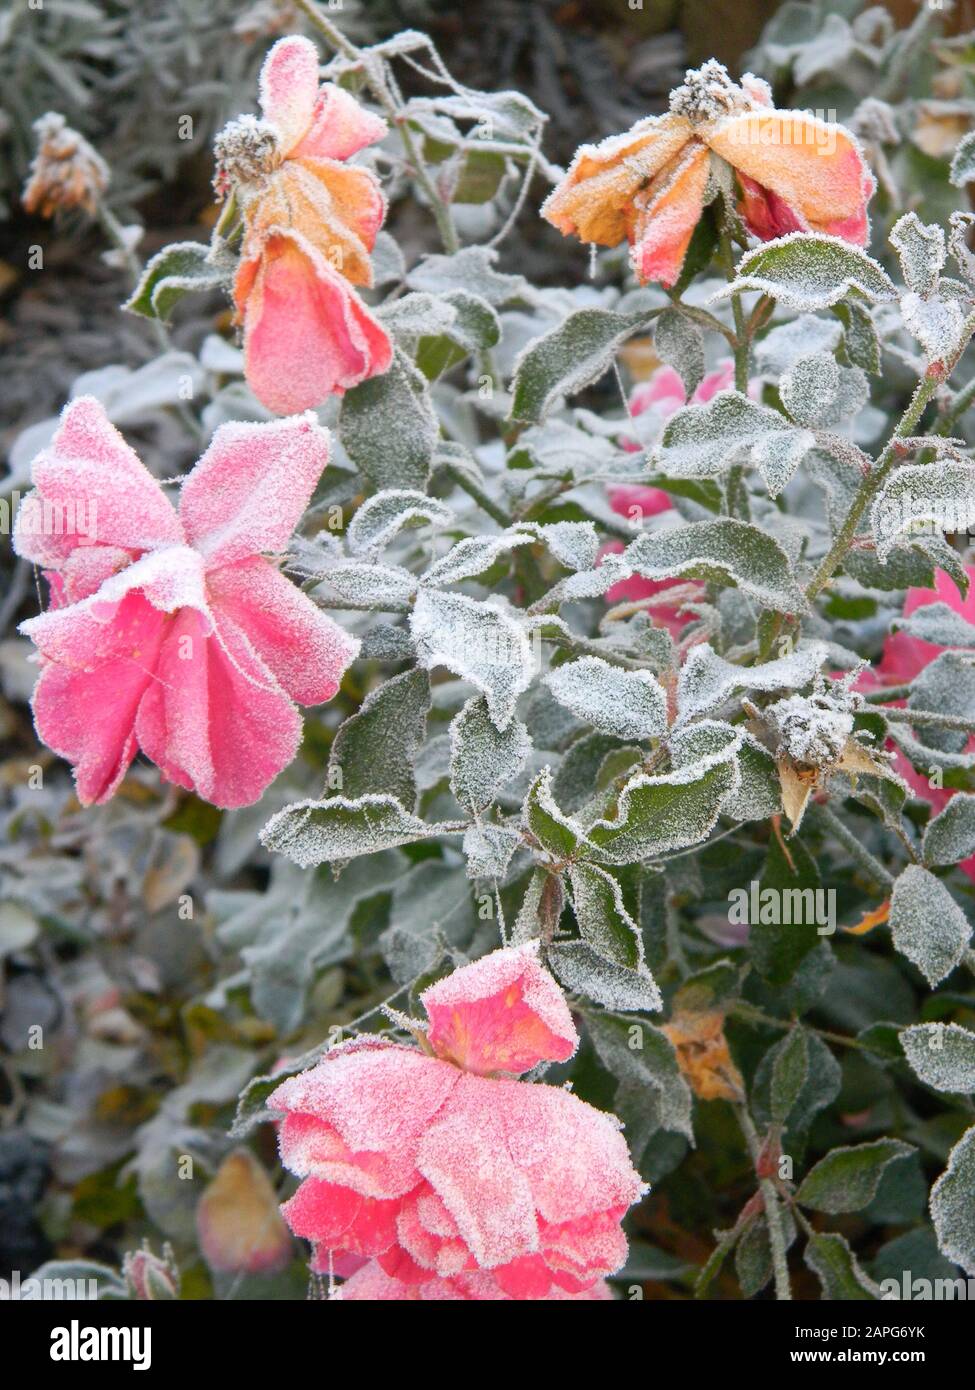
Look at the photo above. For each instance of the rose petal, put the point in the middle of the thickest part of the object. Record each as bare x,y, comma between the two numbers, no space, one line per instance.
288,88
339,127
666,214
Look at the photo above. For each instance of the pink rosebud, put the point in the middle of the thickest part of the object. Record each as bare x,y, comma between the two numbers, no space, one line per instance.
169,631
440,1166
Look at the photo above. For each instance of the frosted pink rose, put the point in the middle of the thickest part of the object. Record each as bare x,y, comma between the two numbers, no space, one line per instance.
371,1284
311,221
168,631
439,1164
903,658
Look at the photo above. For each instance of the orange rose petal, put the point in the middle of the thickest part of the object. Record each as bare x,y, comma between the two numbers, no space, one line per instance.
594,199
869,920
666,216
814,167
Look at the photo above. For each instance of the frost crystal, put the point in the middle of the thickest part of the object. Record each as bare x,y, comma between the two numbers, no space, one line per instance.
814,729
707,94
246,151
628,704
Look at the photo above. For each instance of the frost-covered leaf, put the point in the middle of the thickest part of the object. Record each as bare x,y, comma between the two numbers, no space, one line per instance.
950,836
947,686
370,584
789,1071
938,624
489,849
651,1093
473,555
706,680
928,926
723,550
174,271
382,517
571,356
818,392
953,1202
479,642
942,1055
627,704
657,813
374,749
784,344
416,316
388,427
921,495
920,248
806,271
482,757
680,343
936,322
334,829
759,793
575,544
558,834
583,970
860,337
963,161
604,923
471,270
848,1179
830,1258
702,441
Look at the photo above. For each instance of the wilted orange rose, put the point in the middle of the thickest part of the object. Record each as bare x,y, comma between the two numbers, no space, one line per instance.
310,225
703,1055
791,170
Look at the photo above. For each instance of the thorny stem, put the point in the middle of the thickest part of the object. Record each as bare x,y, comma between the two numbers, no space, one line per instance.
773,1211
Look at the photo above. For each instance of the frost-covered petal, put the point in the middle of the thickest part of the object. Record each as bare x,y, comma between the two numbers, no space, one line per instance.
594,200
288,88
90,487
378,1098
249,490
816,168
339,126
502,1013
337,1217
307,334
87,716
337,208
636,502
666,214
310,1147
305,650
215,720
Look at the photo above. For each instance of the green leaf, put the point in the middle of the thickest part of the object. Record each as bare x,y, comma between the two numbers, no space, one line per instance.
388,427
656,813
374,749
942,1055
702,441
950,836
833,1262
558,834
953,1204
174,271
680,343
848,1179
69,1279
651,1093
709,989
860,337
725,551
381,518
583,970
626,704
820,1089
963,161
484,758
806,271
471,270
480,642
940,494
789,1071
938,624
572,356
927,925
335,829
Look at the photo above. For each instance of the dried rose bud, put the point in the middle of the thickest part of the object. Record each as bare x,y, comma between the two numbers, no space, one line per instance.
66,173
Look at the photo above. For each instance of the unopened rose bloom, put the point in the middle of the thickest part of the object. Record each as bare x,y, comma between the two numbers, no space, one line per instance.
904,657
371,1284
310,224
649,186
439,1163
169,631
66,172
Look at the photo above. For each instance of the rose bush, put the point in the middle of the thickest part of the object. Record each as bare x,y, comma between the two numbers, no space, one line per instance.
629,600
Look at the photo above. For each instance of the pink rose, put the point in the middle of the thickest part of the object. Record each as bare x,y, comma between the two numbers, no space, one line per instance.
168,631
439,1164
371,1285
